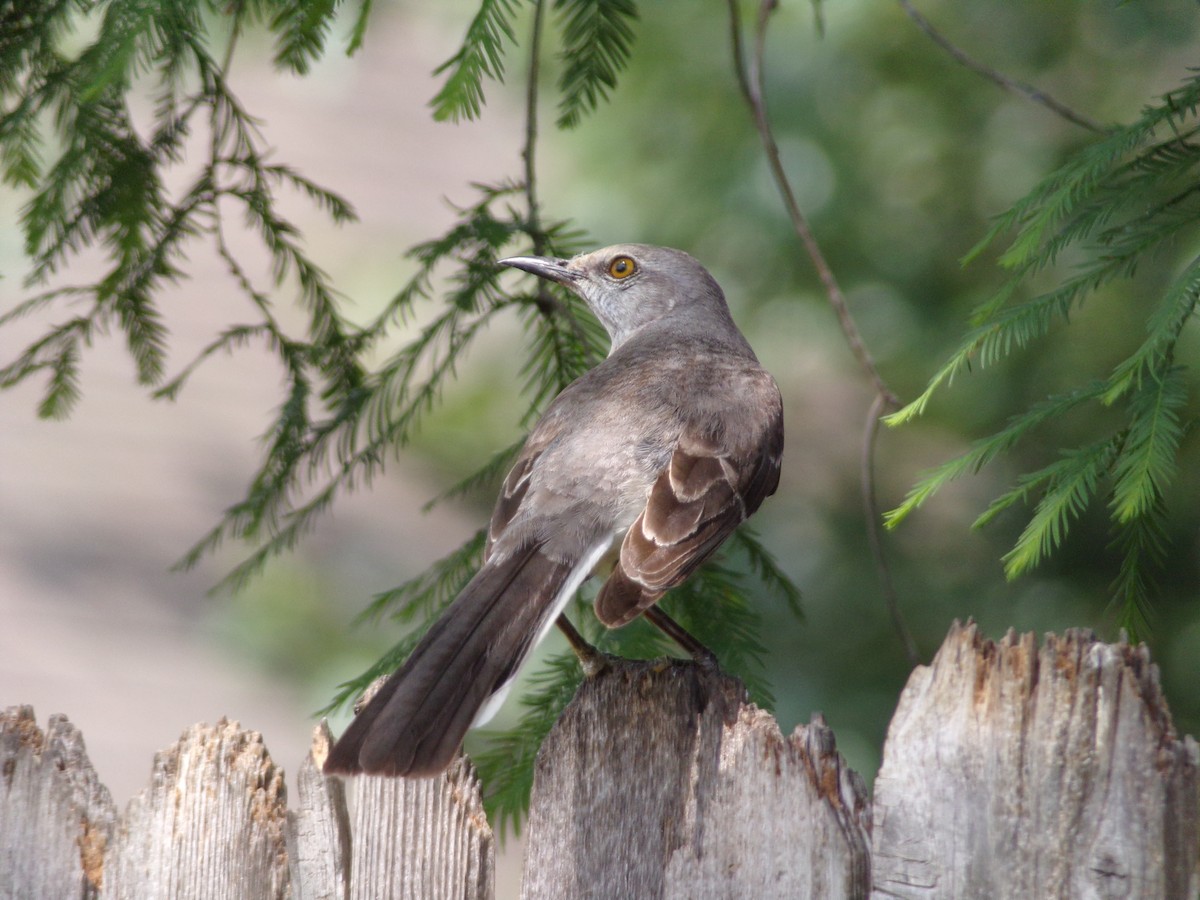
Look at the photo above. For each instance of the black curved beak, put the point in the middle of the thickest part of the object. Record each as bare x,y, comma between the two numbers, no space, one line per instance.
543,267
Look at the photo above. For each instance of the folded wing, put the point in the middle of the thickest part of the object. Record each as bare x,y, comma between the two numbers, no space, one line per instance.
708,488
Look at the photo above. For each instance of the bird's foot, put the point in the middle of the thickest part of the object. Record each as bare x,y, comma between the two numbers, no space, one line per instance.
699,653
591,660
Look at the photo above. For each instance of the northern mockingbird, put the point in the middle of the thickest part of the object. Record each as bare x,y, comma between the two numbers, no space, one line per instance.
663,448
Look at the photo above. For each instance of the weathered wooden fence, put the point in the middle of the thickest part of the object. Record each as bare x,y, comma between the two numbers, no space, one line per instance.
1009,772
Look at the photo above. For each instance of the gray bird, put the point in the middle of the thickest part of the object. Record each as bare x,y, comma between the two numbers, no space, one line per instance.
663,449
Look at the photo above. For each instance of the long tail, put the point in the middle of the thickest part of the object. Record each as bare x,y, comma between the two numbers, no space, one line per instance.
417,720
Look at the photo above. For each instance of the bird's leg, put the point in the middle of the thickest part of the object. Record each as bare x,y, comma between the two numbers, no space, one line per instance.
682,637
591,659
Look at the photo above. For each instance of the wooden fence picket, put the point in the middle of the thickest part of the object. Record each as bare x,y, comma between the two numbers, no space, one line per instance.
1010,771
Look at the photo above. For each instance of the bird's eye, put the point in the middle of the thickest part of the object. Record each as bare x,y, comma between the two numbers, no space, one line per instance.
622,267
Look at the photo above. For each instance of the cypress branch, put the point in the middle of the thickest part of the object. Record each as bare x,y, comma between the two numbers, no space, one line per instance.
1142,543
1164,329
1070,485
597,40
985,450
480,56
1120,201
764,565
301,30
1146,463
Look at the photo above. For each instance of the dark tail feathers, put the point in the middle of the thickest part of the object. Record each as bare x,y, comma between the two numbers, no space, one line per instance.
417,720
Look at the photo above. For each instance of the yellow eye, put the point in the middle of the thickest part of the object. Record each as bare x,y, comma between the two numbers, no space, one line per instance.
622,267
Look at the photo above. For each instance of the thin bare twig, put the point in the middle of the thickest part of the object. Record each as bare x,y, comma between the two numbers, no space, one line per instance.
999,78
536,234
547,303
750,80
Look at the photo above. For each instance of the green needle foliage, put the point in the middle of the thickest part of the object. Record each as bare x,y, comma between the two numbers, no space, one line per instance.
98,183
596,35
480,57
597,39
67,135
1124,201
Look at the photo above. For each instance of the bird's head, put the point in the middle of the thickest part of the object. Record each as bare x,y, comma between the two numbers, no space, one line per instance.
632,286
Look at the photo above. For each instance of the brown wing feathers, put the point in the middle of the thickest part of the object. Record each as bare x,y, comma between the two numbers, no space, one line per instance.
693,506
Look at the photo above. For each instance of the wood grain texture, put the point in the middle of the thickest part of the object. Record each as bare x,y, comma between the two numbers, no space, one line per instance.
318,828
421,838
1014,772
660,780
1010,771
56,819
209,825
